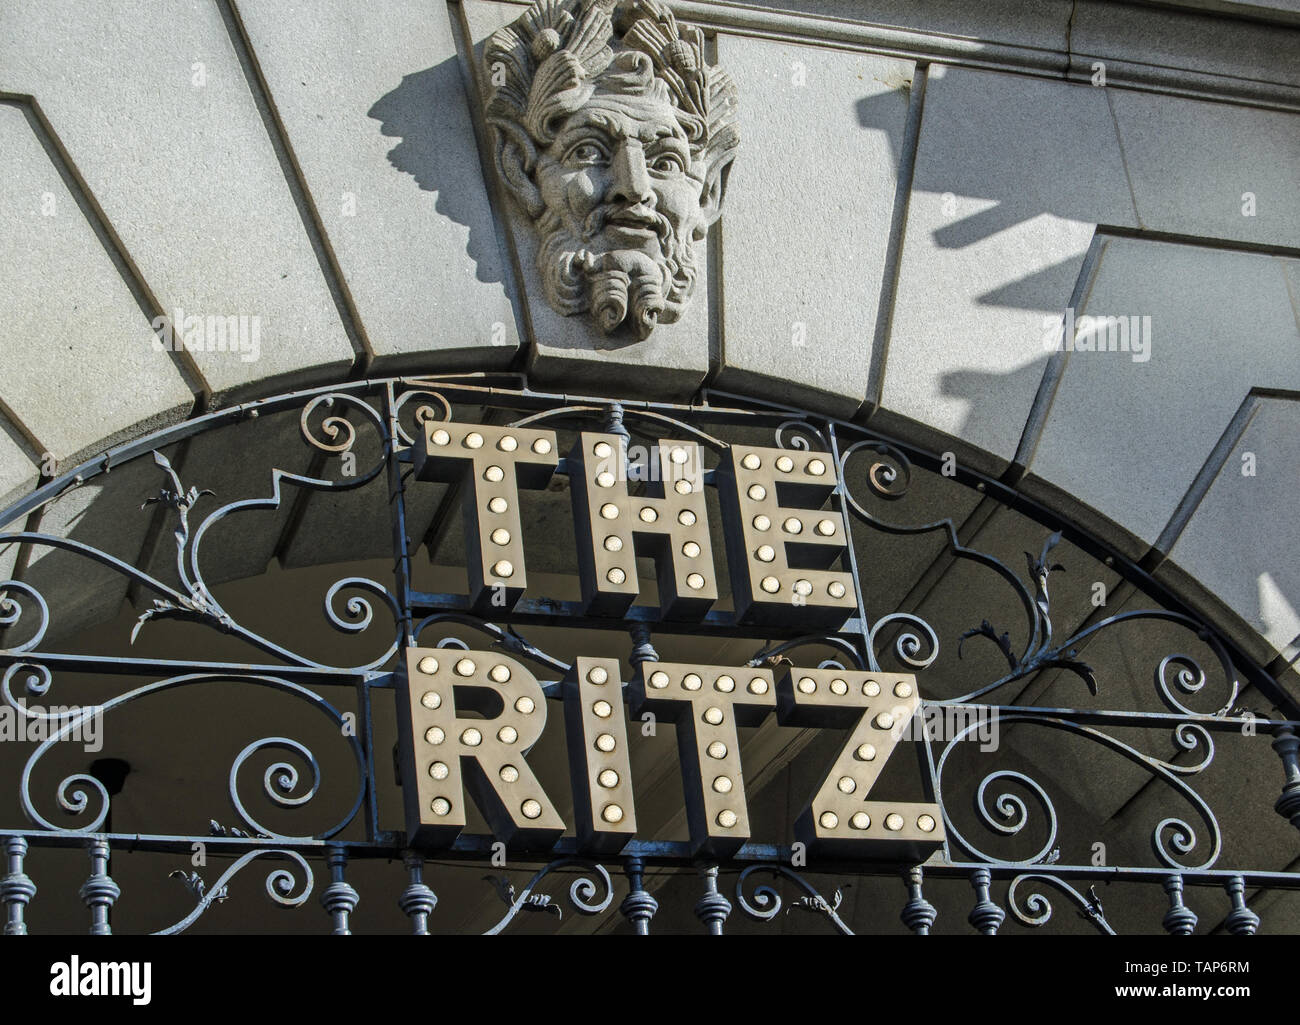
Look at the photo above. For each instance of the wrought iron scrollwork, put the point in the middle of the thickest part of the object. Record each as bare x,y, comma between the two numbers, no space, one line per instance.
1012,814
280,886
584,892
80,793
1036,909
765,903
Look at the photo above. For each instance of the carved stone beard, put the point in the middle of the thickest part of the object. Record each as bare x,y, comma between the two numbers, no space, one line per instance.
617,285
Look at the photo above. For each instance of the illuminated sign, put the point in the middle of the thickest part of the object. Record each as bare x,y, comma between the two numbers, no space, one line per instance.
469,718
779,553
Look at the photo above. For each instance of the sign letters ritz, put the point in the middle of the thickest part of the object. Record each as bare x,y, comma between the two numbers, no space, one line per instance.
782,547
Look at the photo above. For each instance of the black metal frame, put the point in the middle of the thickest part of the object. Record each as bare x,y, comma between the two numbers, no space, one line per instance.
395,409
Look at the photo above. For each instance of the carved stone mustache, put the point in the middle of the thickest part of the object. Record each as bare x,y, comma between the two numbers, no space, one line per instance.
599,218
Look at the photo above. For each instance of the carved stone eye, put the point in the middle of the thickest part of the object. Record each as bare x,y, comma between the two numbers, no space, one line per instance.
666,163
586,154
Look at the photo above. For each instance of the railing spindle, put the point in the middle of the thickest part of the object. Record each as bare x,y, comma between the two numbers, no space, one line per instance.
639,906
16,888
1179,920
99,892
918,913
417,900
985,916
713,908
339,898
1241,921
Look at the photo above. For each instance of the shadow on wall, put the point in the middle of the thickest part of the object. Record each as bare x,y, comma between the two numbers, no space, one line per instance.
427,113
982,183
982,392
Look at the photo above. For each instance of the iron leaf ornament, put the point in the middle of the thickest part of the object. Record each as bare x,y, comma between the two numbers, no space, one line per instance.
196,605
1043,656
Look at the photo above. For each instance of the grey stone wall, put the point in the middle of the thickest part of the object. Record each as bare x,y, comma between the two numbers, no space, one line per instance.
922,191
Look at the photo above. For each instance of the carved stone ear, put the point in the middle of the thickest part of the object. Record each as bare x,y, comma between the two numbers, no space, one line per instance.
516,158
715,188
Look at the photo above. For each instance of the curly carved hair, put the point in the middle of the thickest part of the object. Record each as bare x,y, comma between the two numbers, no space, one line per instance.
546,65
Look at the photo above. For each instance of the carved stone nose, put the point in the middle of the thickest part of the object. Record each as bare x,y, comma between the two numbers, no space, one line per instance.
631,179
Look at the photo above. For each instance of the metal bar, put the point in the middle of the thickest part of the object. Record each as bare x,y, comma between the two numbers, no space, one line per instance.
570,614
860,625
473,848
113,665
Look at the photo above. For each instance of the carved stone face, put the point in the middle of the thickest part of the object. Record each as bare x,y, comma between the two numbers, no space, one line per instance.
622,209
619,176
617,144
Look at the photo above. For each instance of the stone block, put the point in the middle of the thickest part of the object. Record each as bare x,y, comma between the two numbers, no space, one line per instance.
83,367
1214,170
821,135
996,233
1239,547
154,110
374,106
1128,433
